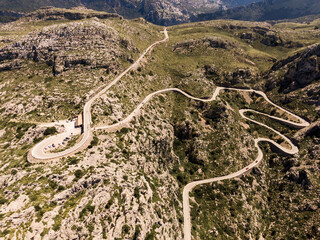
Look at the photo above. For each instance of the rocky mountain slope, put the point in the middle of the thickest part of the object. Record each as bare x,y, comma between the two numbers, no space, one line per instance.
266,10
165,12
170,12
128,184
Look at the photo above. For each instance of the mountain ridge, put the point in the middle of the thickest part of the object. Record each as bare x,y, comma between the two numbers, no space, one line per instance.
128,184
266,10
172,12
167,12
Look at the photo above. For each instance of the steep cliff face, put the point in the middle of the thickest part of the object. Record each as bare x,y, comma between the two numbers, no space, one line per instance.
298,75
301,69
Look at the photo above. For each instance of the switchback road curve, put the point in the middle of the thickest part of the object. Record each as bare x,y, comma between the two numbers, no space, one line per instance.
37,155
292,150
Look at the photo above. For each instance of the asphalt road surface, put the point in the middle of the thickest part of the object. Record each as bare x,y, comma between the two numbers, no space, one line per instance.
39,155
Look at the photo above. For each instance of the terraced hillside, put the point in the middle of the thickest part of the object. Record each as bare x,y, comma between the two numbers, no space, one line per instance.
128,184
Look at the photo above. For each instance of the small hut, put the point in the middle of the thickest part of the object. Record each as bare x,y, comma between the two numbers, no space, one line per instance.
79,121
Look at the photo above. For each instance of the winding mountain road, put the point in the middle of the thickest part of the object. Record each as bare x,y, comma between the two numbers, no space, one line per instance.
37,154
293,150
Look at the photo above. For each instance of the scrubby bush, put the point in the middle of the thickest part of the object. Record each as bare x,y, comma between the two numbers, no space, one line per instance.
52,184
73,160
50,131
86,209
125,229
94,142
3,201
48,79
137,232
61,188
78,174
136,193
108,205
124,130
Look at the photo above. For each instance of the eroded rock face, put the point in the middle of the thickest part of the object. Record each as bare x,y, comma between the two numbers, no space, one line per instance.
298,77
271,39
183,130
300,177
249,36
51,13
301,69
242,75
212,42
312,130
165,12
66,46
301,74
267,37
215,112
7,66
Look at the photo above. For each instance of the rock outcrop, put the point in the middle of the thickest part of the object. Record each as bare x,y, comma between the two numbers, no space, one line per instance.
267,37
300,177
79,13
210,42
298,77
300,70
312,130
66,46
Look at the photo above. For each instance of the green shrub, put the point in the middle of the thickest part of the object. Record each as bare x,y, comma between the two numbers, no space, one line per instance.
37,208
21,130
136,193
124,130
136,232
44,232
150,236
61,188
37,140
78,174
182,178
73,160
48,79
33,197
86,209
125,229
3,201
94,142
50,131
108,205
91,228
52,184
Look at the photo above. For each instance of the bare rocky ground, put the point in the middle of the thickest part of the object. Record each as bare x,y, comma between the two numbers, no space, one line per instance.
105,193
128,184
